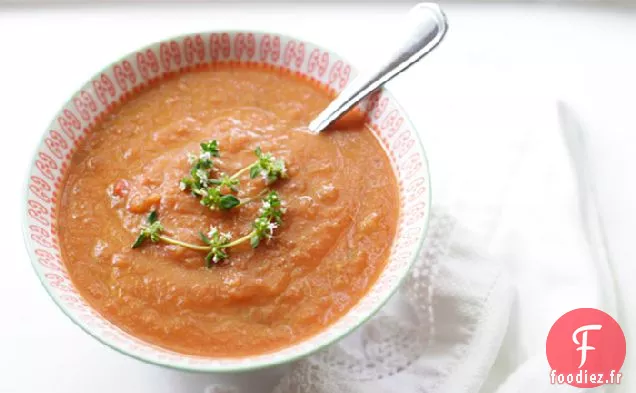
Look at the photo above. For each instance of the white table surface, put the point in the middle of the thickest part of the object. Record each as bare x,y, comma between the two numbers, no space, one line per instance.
582,55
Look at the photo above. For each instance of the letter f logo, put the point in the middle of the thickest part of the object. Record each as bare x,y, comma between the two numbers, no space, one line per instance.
583,344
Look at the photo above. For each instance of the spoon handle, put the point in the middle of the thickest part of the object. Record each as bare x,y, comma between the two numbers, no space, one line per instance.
426,28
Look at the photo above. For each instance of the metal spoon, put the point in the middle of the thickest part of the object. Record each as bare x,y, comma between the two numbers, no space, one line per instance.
425,29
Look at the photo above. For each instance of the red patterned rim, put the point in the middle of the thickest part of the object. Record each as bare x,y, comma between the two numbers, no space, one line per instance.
151,64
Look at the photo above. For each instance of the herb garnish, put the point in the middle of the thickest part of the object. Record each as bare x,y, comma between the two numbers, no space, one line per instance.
217,243
151,231
211,191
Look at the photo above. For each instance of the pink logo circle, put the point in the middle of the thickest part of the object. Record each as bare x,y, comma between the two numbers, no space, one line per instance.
585,349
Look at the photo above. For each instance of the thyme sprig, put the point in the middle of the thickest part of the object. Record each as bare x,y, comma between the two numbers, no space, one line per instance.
150,231
268,166
215,242
201,183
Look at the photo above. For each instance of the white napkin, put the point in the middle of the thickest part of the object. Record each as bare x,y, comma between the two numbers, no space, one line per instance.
522,161
511,248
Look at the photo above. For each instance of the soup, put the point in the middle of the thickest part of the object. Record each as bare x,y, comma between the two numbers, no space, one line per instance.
339,222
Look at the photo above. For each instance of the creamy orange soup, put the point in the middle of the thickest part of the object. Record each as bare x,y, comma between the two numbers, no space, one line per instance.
342,208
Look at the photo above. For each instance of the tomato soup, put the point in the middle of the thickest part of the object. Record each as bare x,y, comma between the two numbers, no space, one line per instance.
340,220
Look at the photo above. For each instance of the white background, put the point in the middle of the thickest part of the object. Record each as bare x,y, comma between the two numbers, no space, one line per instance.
584,55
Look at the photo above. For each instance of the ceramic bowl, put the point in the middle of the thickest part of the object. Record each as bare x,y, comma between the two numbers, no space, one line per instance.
148,66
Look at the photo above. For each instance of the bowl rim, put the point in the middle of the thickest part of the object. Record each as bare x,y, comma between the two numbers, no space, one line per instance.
253,366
